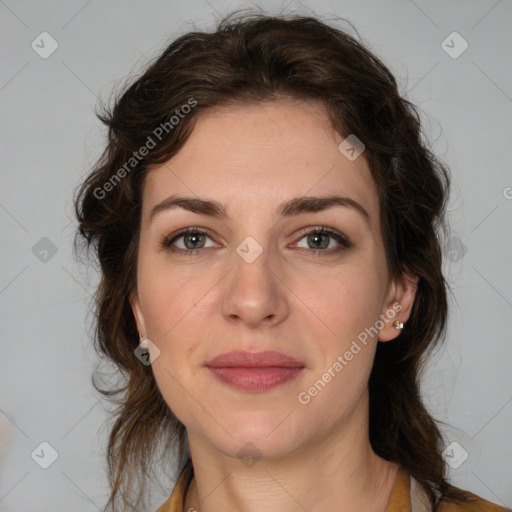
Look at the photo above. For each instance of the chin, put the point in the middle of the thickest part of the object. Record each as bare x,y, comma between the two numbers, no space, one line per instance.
257,435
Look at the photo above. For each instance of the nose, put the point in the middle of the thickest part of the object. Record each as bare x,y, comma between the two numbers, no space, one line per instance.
254,294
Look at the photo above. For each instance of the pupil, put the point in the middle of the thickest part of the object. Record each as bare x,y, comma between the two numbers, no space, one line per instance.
193,236
316,236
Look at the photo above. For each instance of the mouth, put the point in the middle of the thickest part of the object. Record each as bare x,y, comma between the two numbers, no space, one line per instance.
254,371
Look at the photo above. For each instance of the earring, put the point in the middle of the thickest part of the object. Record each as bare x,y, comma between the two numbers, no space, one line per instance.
398,325
143,341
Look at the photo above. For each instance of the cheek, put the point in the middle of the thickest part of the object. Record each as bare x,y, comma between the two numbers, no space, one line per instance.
171,296
175,316
341,304
345,310
178,307
336,391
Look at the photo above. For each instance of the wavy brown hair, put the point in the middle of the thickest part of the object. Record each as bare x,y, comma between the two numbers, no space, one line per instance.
251,58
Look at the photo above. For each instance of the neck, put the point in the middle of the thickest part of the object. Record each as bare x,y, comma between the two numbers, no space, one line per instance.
341,473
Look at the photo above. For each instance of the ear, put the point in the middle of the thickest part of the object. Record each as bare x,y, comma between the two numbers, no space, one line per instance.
399,301
137,312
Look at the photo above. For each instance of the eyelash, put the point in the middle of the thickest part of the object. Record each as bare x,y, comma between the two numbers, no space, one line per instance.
343,241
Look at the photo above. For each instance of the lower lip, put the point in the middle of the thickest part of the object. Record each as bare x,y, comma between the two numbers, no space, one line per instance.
255,379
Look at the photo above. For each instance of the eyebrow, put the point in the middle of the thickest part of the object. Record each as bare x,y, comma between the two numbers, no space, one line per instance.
295,206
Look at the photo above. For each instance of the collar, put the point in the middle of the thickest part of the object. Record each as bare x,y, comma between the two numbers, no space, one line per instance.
407,494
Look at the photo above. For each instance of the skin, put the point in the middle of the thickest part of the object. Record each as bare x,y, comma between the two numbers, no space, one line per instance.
312,307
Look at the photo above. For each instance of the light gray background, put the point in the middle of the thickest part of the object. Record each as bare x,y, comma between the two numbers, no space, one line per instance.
50,137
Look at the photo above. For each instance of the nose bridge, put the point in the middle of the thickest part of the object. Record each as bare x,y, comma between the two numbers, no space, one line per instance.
253,293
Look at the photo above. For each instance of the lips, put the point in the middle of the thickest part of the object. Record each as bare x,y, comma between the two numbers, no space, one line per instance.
254,371
244,359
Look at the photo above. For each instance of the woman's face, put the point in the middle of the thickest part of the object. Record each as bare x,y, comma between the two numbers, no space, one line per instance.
260,279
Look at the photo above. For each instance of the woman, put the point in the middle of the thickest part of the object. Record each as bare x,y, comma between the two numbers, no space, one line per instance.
266,219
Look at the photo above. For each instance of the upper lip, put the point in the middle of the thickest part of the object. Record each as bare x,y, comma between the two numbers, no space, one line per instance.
242,358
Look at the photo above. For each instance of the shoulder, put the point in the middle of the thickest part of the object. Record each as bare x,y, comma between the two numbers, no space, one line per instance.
474,504
176,500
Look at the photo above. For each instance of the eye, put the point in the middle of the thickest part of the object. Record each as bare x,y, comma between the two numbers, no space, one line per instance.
193,240
318,240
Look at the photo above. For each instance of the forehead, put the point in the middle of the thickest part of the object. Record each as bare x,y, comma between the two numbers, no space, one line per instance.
259,156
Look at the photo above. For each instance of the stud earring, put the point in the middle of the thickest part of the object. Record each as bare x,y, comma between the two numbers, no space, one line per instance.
398,325
143,341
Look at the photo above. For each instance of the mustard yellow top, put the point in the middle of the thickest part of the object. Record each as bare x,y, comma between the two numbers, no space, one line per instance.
406,496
